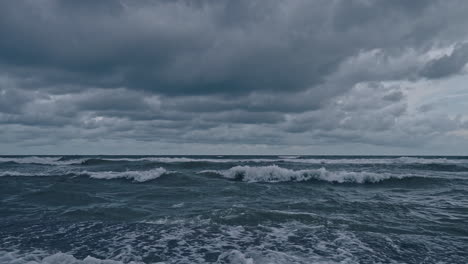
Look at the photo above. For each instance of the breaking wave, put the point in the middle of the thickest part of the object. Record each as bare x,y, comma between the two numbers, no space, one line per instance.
138,176
275,173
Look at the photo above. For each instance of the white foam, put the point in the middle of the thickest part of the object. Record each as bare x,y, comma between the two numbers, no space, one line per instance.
139,176
234,244
58,258
234,256
21,174
275,173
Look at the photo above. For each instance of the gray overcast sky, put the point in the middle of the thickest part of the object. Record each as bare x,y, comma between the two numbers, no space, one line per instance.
234,77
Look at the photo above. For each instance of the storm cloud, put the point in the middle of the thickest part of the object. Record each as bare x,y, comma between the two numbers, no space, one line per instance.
160,76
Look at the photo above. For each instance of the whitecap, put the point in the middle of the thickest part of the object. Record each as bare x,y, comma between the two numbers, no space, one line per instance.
139,176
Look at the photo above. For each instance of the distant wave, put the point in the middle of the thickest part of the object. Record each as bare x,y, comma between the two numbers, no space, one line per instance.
138,176
22,174
399,160
275,173
97,160
288,157
280,159
42,160
297,159
187,160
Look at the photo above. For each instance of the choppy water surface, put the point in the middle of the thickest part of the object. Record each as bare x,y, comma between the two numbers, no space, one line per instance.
233,209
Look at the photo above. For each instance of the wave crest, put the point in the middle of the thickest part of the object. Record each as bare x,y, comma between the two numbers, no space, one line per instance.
275,173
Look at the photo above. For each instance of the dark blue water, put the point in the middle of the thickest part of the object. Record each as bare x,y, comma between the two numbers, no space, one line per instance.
233,209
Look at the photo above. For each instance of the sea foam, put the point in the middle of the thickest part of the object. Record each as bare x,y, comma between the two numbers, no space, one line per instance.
57,258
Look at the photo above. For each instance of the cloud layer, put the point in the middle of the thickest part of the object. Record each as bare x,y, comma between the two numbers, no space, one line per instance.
205,76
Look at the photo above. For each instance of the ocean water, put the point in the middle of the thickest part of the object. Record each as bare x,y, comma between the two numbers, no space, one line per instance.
233,209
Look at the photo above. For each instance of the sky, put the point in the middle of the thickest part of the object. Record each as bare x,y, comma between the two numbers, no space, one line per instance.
344,77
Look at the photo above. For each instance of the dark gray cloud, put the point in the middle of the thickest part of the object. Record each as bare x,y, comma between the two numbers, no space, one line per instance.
211,47
448,64
275,72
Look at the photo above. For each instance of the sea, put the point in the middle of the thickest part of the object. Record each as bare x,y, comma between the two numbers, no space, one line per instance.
233,209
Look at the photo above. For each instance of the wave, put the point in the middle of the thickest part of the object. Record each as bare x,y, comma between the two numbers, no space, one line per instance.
288,157
98,160
139,176
399,160
187,160
275,173
298,159
42,160
22,174
279,159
